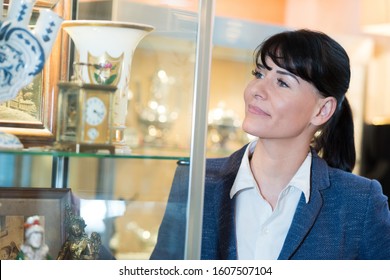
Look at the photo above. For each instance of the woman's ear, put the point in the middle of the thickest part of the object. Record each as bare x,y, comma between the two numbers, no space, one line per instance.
327,107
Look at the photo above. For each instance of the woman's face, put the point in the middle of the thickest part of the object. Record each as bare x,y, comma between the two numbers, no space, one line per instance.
279,104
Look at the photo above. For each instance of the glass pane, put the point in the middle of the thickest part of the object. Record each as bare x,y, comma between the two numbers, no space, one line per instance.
123,200
19,170
162,72
124,197
237,32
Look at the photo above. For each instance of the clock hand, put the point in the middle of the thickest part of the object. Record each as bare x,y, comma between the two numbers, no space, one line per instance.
100,114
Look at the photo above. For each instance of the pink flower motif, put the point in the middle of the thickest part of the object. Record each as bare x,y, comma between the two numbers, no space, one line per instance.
102,74
106,65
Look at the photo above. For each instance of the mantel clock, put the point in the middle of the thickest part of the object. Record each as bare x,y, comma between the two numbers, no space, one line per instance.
85,117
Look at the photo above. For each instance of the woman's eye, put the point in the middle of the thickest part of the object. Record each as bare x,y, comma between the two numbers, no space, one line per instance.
282,83
257,74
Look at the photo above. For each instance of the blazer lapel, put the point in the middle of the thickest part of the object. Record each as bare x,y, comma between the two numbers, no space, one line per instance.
226,220
306,213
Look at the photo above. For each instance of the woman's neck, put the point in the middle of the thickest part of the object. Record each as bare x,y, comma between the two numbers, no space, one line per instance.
274,164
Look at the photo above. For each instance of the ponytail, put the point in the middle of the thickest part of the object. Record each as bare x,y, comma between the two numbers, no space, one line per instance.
335,142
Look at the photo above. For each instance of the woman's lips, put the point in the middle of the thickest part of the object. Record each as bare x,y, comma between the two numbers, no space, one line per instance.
257,111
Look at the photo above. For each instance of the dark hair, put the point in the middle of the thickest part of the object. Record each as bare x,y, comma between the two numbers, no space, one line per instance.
321,61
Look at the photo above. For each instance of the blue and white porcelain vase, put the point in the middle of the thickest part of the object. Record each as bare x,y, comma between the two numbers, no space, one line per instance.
23,52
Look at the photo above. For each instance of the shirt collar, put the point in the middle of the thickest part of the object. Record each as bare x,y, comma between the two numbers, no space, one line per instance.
245,179
301,179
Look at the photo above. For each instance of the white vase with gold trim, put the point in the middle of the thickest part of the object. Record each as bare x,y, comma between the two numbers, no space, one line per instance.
104,53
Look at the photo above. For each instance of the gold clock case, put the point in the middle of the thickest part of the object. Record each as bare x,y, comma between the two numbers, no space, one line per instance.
72,127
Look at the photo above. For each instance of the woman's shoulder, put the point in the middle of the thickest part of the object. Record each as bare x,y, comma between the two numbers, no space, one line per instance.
354,186
349,179
343,183
338,176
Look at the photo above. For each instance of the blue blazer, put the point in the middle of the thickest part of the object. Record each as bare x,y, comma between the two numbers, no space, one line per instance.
347,216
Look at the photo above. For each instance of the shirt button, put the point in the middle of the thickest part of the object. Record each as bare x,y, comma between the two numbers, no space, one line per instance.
265,231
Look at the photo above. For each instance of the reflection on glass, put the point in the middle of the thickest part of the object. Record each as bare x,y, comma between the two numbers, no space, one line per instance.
157,117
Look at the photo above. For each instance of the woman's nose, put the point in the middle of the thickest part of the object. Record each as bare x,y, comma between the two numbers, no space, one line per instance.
261,89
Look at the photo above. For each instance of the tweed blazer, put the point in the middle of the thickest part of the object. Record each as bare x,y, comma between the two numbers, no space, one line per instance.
347,216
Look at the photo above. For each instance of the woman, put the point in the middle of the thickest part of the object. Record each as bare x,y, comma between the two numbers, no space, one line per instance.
290,194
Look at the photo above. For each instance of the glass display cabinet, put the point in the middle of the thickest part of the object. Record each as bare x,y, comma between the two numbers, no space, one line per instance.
123,196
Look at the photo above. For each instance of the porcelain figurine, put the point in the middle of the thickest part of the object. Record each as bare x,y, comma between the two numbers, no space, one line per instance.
34,247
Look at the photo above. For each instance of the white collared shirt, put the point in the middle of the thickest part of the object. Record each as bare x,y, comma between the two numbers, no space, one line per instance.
260,231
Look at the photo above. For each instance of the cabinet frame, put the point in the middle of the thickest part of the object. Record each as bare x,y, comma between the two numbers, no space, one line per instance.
193,242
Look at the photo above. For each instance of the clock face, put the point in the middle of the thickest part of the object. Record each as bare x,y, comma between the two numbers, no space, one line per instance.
93,133
95,111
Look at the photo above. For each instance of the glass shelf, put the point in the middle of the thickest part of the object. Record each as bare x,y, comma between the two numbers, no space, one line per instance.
54,153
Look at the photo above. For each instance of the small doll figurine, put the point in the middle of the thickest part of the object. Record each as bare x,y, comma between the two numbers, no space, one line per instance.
33,247
78,246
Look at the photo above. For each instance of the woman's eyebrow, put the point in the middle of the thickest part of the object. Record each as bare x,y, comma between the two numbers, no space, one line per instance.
259,65
287,73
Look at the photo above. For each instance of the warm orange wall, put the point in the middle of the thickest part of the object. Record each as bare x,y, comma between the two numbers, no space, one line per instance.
269,11
254,10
